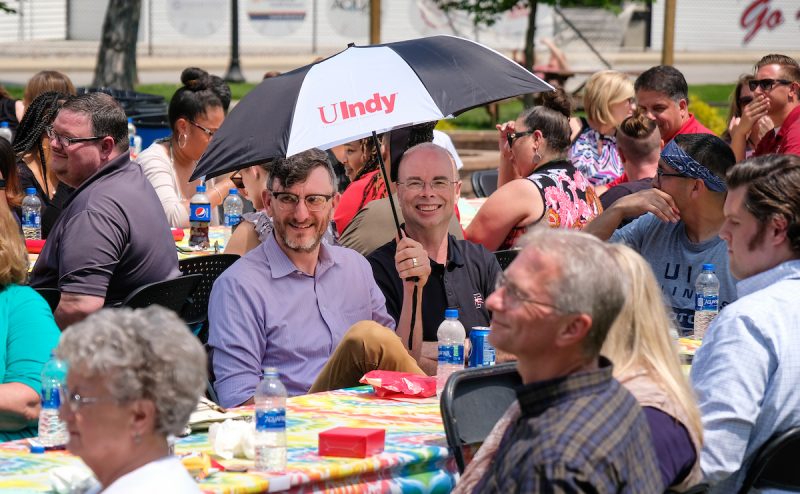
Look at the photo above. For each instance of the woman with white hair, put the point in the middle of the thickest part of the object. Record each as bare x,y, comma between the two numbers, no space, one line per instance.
607,100
134,378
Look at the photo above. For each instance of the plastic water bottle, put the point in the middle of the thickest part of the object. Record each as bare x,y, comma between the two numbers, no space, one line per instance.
232,208
5,132
451,336
31,215
52,431
199,218
134,140
270,417
706,300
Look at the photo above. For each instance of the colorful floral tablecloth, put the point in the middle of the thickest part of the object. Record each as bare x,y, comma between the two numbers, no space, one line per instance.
416,458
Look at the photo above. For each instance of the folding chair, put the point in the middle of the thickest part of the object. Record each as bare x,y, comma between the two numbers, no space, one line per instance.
172,294
775,464
484,182
210,267
473,401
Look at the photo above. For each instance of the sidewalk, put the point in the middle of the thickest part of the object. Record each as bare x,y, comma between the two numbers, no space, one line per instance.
18,61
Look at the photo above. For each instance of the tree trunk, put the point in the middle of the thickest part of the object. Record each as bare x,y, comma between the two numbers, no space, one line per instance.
530,55
116,58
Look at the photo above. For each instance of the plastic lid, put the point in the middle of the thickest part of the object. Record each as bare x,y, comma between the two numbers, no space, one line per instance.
201,188
30,191
233,192
36,448
451,314
4,125
130,119
708,267
270,371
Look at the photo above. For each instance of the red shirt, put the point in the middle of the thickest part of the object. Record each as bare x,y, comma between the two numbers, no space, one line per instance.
786,141
356,196
692,126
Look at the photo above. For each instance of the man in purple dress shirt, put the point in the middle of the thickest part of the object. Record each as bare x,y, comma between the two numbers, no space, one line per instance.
290,302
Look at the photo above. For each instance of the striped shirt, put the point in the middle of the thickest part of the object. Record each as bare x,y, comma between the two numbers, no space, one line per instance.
747,372
578,433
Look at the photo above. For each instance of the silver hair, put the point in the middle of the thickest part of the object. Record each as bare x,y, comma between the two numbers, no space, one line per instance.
141,354
589,281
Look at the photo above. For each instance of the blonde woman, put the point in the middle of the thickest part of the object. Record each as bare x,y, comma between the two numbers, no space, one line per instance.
646,362
607,100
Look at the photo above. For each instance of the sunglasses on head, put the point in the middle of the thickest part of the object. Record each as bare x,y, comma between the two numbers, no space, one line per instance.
767,84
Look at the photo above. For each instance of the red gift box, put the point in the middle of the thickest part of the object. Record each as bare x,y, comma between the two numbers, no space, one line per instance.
351,442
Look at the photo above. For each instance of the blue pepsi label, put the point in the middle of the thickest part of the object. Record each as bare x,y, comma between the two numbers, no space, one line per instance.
200,212
32,219
271,420
451,354
482,352
706,302
232,220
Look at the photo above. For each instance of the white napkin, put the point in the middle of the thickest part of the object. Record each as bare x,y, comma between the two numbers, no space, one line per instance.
72,480
233,438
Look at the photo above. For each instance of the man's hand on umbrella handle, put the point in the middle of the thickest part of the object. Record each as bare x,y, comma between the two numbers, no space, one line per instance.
412,262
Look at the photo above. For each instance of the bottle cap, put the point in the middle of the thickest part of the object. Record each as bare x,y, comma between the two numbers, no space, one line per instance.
130,119
30,191
233,192
451,314
708,267
4,125
201,188
270,371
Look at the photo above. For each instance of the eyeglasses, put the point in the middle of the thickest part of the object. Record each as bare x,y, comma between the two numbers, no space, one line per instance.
513,297
74,401
744,101
236,178
516,135
661,173
204,129
767,84
418,185
65,141
288,202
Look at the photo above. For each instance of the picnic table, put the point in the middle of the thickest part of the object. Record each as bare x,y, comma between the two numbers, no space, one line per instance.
415,459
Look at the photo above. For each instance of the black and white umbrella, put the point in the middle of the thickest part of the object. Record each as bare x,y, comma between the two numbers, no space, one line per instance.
361,91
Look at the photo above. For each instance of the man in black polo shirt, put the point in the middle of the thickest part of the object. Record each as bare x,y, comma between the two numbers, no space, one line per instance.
462,274
112,236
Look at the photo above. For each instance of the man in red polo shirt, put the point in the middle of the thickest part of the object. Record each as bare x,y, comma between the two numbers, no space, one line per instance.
776,92
662,92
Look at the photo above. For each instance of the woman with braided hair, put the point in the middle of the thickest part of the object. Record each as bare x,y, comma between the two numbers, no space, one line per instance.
196,111
32,148
362,166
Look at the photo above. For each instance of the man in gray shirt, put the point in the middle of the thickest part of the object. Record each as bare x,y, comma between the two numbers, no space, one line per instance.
112,236
680,230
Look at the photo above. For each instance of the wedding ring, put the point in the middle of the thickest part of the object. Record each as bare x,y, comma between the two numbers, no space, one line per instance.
414,261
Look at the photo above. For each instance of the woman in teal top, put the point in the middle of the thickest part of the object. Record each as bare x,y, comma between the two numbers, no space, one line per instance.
28,333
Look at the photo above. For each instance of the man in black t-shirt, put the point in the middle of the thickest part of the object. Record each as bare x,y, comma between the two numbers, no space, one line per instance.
460,274
112,236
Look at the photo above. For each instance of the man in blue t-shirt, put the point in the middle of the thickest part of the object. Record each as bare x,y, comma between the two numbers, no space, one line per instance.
678,231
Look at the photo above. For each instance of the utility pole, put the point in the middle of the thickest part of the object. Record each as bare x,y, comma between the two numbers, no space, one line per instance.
234,73
668,46
374,22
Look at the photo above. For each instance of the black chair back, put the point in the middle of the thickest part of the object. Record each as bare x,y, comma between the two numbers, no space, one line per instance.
473,401
172,294
504,257
484,182
210,267
775,464
51,295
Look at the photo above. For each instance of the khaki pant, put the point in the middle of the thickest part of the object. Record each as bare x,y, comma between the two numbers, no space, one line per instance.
365,347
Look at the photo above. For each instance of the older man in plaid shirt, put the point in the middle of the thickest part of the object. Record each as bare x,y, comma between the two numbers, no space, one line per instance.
577,429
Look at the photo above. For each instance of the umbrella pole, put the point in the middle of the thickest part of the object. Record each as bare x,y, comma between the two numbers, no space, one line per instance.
386,182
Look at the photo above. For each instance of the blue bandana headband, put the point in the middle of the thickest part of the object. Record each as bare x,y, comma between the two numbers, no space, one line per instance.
677,158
